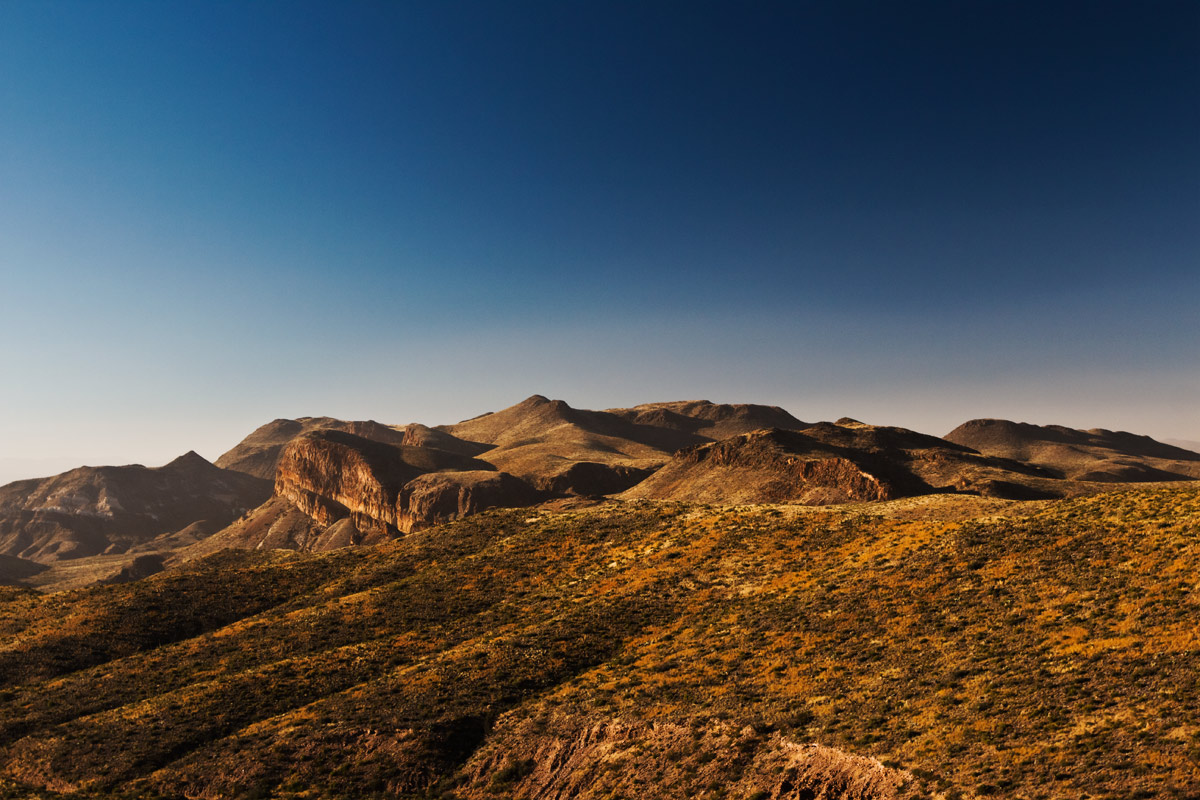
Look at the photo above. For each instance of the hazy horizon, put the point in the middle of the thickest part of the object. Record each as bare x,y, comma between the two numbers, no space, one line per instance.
214,215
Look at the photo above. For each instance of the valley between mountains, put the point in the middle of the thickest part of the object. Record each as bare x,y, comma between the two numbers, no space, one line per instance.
677,599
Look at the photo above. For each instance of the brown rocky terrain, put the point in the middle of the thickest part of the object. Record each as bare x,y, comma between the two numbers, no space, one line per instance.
331,475
386,489
1082,455
561,449
841,462
109,510
339,483
539,440
436,497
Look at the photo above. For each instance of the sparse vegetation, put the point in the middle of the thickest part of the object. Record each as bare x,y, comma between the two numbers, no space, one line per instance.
1044,649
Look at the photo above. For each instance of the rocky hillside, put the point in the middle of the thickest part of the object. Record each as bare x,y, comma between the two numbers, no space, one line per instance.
97,510
944,646
1082,455
839,462
334,489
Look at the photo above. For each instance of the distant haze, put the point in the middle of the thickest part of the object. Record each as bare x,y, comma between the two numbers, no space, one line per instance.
213,215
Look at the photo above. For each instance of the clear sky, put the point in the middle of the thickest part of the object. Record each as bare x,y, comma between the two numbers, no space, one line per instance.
213,214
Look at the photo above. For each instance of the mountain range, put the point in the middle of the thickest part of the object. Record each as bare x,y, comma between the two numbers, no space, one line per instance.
676,600
319,483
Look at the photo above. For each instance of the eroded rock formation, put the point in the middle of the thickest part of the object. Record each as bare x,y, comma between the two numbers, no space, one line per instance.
386,489
442,496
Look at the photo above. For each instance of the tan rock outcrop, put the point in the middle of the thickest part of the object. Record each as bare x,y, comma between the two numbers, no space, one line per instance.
385,489
331,475
442,496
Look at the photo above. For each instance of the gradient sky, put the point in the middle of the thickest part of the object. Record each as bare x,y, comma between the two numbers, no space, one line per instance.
213,214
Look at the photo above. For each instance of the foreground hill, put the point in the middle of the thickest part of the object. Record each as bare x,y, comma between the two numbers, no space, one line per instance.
1091,455
96,510
942,646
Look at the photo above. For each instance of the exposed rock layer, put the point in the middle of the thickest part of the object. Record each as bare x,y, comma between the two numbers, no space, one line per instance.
385,489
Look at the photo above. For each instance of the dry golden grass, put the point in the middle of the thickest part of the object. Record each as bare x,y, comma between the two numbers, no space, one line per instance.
984,648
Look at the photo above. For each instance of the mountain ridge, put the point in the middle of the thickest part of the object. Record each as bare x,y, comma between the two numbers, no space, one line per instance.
338,483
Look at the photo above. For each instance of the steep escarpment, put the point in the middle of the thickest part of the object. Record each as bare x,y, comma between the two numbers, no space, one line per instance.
1084,455
94,510
331,475
442,496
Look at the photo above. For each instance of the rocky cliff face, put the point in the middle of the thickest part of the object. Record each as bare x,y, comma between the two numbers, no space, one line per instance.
332,477
258,454
385,489
437,497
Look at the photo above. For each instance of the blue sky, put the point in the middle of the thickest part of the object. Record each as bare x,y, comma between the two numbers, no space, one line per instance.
214,214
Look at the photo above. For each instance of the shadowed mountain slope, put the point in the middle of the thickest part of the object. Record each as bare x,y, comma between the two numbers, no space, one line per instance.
1086,455
94,510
